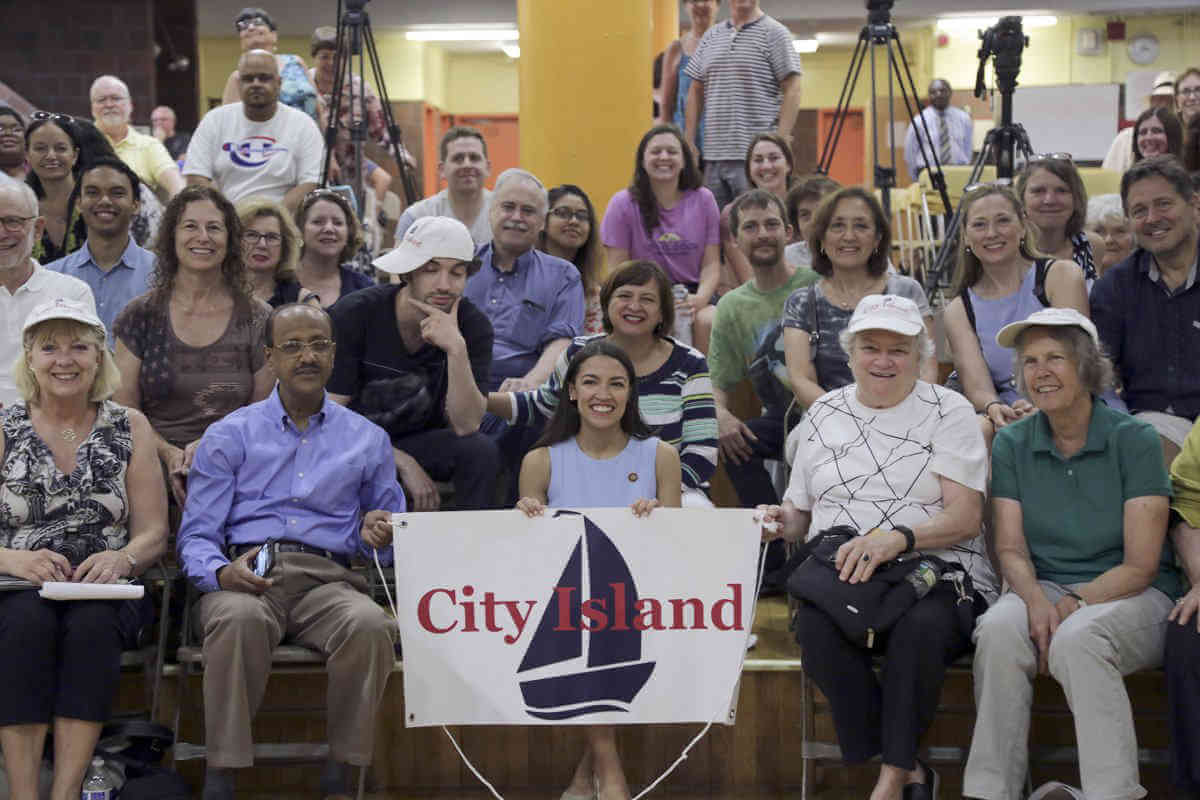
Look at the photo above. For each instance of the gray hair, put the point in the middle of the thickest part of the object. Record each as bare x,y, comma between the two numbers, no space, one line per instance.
922,342
1093,367
1103,207
9,184
114,79
516,173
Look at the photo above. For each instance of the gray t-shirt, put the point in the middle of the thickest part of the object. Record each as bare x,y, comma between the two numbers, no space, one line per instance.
808,309
439,206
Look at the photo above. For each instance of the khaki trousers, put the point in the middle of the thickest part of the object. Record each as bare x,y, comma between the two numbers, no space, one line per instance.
1091,651
316,603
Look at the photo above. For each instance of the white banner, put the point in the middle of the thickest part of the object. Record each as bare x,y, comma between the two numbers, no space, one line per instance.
588,617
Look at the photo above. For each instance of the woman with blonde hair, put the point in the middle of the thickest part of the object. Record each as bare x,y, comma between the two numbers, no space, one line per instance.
271,250
1001,278
81,500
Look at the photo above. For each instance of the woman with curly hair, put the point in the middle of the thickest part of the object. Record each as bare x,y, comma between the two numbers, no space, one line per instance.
190,349
330,236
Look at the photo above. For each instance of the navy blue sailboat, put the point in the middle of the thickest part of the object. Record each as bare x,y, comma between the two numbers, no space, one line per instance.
586,671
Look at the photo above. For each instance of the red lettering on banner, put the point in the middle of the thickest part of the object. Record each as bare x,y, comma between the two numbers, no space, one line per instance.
563,593
423,617
734,604
619,623
697,607
649,615
469,611
593,612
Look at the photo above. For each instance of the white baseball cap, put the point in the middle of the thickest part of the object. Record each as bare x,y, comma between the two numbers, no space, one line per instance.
1053,317
425,239
886,312
62,308
1164,83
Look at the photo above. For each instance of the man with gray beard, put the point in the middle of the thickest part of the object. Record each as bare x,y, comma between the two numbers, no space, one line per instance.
24,283
112,109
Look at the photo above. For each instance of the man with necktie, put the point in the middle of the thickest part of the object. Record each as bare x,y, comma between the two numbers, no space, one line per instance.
949,132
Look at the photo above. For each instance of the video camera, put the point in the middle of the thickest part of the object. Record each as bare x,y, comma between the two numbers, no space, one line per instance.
1005,40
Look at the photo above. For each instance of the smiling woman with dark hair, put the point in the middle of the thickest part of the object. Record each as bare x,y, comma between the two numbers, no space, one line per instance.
190,350
257,31
570,234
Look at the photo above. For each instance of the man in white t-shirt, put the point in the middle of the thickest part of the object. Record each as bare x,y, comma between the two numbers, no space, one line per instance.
259,146
24,283
465,167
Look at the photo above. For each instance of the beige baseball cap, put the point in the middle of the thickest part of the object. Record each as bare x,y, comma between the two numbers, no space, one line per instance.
1053,317
425,239
886,312
62,308
1164,83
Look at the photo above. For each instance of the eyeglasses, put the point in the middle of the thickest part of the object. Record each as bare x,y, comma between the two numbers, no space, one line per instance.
1051,157
11,130
252,238
1191,91
251,22
61,119
565,214
292,347
14,224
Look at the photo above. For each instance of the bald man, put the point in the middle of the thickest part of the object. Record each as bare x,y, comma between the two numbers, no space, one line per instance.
258,146
162,127
112,108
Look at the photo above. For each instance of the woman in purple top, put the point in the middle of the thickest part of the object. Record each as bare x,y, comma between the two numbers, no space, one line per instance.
668,217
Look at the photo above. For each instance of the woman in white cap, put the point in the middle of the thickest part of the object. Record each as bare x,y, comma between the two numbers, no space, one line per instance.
81,499
1079,497
903,463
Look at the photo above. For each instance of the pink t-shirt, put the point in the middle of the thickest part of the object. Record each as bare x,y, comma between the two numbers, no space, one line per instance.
677,243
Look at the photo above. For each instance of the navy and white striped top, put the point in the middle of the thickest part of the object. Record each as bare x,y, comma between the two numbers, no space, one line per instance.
741,69
675,401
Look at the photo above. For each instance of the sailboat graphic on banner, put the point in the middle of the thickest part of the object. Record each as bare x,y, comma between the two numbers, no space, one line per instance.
572,669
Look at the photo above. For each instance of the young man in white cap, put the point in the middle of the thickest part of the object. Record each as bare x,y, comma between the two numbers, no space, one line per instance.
1120,152
414,358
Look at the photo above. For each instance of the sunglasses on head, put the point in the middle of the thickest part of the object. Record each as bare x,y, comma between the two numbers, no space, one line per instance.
1050,157
42,116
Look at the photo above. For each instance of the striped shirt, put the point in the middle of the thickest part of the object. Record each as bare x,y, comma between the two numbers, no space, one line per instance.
741,69
675,400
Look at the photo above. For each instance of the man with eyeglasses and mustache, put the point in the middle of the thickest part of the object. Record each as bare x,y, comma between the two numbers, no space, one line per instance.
464,166
24,284
281,495
258,146
112,109
12,143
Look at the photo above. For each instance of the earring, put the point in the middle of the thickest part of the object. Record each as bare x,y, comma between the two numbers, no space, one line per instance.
969,251
1023,245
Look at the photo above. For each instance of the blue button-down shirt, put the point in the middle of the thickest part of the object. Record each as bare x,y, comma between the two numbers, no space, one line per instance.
113,289
1152,334
538,301
256,476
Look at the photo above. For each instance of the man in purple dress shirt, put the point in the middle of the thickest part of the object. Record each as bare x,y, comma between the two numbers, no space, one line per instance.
315,483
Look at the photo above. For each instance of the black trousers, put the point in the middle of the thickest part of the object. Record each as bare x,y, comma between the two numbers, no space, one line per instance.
887,715
61,659
1182,665
750,478
471,462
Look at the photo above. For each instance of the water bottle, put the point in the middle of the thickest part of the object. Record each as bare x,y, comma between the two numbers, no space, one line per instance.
923,578
683,315
97,784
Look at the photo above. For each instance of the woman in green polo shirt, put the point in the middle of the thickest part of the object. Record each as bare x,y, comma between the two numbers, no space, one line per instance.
1080,499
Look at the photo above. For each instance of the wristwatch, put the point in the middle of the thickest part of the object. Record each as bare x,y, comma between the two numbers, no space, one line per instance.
1077,598
910,539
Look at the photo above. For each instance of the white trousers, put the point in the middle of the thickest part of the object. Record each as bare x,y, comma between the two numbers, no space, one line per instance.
1089,654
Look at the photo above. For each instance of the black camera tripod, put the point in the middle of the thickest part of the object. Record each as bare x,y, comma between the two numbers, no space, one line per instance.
355,38
879,32
1005,41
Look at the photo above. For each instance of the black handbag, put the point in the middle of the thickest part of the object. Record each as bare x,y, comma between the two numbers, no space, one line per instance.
865,610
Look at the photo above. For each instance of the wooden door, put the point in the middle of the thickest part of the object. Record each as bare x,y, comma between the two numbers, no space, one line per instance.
848,159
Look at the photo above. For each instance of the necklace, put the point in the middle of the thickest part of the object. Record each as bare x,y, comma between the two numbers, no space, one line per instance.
69,435
845,300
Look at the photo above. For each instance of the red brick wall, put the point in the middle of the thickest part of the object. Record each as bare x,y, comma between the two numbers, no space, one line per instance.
52,50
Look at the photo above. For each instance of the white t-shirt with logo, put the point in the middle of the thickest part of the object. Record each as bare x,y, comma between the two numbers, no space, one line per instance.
246,158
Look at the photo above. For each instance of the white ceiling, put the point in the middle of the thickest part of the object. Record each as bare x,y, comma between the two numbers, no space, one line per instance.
299,17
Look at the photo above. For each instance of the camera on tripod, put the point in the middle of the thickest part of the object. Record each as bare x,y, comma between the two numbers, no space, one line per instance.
1005,40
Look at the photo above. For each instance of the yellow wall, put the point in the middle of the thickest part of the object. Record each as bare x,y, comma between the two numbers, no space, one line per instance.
825,72
481,83
1051,59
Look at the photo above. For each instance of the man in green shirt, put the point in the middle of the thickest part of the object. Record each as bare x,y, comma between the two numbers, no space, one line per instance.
747,342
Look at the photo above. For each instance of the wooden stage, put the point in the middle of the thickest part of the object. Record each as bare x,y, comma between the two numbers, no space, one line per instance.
759,758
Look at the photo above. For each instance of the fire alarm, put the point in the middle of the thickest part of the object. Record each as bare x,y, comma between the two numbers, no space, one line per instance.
1115,31
942,40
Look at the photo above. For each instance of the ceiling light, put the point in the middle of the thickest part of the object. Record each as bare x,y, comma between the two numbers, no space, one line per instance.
805,45
969,25
462,35
511,50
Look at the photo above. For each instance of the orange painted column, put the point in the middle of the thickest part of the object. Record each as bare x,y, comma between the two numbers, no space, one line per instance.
585,91
665,14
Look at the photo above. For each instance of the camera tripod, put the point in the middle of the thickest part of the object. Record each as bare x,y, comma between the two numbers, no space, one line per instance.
1005,40
355,38
879,32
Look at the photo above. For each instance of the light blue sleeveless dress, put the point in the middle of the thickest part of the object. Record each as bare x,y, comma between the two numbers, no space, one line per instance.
990,317
683,84
579,481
